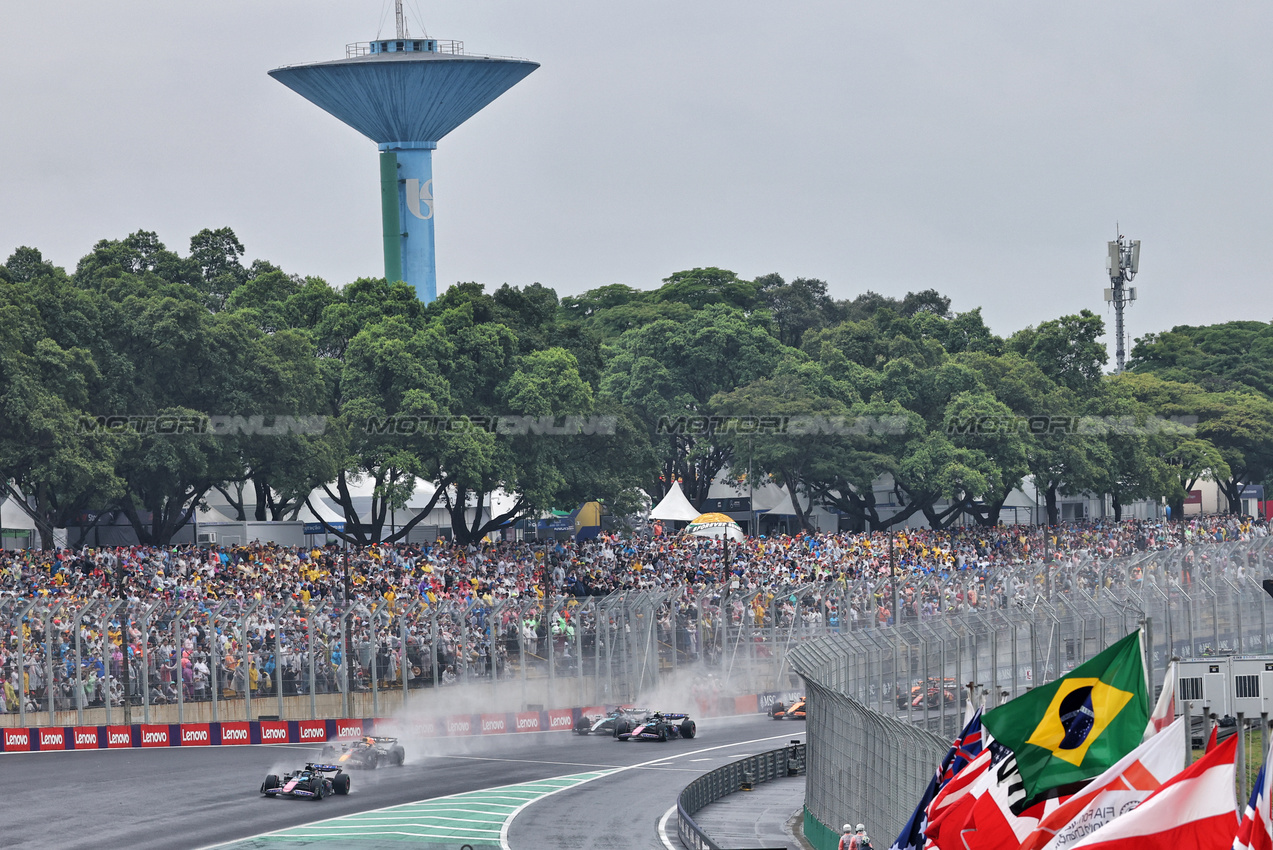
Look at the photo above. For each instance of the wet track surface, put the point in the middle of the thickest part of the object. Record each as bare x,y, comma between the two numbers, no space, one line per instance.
200,796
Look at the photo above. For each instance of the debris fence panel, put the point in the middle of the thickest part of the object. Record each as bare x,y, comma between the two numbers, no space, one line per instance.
886,700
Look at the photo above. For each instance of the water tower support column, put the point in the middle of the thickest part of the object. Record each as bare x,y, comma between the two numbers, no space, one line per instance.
413,210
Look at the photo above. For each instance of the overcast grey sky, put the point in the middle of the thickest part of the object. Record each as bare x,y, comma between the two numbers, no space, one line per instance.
982,148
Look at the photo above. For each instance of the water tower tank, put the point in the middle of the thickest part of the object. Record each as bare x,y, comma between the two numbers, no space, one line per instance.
405,94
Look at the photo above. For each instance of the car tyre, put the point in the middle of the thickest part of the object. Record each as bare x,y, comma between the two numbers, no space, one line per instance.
688,729
620,726
317,788
398,755
271,781
340,784
774,710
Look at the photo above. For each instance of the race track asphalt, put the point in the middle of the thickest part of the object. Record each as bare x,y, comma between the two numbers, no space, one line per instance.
194,797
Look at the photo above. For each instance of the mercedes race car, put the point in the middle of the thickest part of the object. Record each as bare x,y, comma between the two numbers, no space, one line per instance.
795,711
310,781
604,724
657,727
369,751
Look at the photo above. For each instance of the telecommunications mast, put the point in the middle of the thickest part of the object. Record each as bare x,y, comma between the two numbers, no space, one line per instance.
1122,262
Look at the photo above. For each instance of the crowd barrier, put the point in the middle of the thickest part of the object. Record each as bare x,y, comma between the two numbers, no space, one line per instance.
57,738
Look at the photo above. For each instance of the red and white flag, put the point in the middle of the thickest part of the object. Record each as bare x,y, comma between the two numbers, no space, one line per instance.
949,810
1255,832
1115,792
1193,809
1165,708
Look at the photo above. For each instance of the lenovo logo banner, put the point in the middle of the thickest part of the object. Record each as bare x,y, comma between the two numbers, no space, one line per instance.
52,739
561,718
235,733
85,738
428,727
195,735
493,724
119,736
154,736
459,724
528,721
17,740
274,732
313,730
348,729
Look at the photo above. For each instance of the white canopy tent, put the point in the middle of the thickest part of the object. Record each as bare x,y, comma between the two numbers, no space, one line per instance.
674,507
783,508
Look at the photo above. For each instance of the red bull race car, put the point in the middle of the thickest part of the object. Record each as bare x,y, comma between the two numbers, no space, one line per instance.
311,781
369,751
657,727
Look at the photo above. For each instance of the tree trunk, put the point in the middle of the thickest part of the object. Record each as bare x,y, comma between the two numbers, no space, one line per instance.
1117,504
1054,510
1232,490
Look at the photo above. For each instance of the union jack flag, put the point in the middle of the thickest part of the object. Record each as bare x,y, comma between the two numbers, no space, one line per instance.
964,749
1255,832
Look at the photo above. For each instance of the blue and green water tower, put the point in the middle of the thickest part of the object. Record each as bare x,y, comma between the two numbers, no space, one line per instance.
405,94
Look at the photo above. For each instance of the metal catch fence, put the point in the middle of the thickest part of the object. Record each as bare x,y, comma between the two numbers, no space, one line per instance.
237,659
885,701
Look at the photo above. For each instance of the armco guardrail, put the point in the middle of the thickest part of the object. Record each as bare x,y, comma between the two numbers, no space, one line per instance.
788,761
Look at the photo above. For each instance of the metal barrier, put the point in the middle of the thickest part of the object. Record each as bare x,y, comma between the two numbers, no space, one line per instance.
710,787
885,701
235,660
1005,628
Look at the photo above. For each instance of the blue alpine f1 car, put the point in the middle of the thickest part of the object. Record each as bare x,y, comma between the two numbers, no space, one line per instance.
312,781
657,727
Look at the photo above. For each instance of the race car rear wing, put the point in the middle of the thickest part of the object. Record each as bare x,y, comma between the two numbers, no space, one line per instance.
383,739
324,767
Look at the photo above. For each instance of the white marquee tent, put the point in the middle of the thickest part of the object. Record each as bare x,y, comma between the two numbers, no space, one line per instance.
675,507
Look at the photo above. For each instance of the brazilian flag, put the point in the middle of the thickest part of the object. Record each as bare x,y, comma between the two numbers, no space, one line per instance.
1072,729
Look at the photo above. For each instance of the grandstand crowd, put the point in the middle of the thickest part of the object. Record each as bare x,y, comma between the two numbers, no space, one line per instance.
492,596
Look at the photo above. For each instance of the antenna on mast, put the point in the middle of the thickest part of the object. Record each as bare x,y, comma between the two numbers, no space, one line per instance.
399,20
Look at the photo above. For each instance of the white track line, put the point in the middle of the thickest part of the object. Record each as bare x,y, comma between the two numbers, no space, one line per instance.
667,816
503,835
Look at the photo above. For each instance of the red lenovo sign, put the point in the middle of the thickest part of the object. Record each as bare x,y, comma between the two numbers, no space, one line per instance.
119,736
53,738
195,735
274,732
528,721
85,737
312,731
235,733
561,718
154,736
17,740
